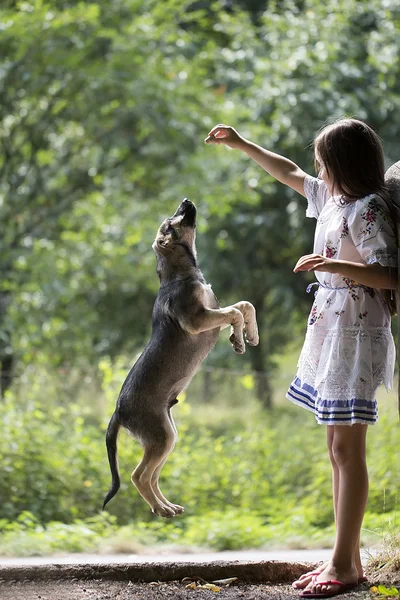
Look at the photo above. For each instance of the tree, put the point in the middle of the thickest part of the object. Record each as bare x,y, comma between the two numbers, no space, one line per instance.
104,138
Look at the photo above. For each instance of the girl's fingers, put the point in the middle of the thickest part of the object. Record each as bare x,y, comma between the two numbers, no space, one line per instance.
219,126
210,139
302,265
219,133
308,265
311,266
216,136
317,266
306,260
303,259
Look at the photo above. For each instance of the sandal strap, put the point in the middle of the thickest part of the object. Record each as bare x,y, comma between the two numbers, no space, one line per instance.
330,582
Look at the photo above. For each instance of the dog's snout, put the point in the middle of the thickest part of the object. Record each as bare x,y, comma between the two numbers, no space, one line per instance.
187,204
188,211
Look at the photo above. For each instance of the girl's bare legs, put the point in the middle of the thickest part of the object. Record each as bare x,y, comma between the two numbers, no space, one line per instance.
335,488
307,577
350,482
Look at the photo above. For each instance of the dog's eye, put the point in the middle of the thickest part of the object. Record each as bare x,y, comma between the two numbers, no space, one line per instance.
172,231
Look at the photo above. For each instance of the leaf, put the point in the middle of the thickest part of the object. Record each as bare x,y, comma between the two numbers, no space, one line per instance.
210,586
388,591
191,586
227,581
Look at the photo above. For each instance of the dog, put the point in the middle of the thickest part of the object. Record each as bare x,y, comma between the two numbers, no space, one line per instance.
186,323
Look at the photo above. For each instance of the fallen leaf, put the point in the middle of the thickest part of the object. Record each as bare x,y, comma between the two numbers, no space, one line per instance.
210,586
227,581
191,586
196,579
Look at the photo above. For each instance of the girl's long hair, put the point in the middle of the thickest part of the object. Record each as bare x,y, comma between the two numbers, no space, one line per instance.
352,155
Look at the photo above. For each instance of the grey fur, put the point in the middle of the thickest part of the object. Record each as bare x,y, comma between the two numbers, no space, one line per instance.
186,323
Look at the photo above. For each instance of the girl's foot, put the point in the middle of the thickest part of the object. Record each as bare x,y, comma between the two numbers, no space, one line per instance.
303,581
324,582
306,578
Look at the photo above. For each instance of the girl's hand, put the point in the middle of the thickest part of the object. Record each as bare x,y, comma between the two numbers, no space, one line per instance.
224,134
316,262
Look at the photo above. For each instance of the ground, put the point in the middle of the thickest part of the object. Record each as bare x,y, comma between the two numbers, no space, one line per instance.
117,590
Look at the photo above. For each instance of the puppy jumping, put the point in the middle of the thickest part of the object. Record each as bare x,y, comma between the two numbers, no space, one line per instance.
185,326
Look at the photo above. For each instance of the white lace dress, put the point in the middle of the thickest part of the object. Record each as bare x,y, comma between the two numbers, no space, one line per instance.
349,349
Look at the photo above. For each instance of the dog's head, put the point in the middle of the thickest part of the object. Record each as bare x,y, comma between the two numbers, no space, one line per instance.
176,235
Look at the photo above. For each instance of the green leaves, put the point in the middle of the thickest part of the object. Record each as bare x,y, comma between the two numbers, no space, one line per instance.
103,112
382,591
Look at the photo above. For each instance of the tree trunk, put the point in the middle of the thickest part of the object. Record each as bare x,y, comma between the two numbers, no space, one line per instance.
6,353
207,385
6,375
259,355
263,386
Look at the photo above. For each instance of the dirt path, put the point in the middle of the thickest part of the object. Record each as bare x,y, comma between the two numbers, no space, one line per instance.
117,590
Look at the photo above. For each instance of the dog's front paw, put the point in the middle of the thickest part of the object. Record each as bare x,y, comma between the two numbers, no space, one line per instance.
252,336
178,509
237,344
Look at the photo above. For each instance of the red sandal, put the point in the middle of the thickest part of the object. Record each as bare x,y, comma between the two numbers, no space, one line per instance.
343,587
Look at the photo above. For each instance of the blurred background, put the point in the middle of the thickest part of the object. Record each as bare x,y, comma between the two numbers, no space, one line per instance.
104,107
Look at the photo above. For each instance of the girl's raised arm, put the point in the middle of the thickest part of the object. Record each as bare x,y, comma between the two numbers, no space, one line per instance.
281,168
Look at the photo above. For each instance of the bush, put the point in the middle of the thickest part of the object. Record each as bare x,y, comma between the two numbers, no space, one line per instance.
245,481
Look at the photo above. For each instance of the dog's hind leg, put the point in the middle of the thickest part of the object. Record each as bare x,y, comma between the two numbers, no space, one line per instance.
154,482
156,452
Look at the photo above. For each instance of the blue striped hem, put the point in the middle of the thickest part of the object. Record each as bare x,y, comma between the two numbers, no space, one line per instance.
329,412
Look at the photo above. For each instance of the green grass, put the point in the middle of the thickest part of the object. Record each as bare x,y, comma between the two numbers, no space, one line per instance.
247,478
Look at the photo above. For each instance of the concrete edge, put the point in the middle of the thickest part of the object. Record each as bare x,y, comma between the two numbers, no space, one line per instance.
251,572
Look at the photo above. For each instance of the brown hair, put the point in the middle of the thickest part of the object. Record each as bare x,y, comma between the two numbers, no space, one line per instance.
352,155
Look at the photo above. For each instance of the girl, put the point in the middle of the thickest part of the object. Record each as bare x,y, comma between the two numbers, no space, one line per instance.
348,350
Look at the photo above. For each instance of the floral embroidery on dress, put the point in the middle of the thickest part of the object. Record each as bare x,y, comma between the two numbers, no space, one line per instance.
352,326
369,215
351,284
330,250
314,316
345,228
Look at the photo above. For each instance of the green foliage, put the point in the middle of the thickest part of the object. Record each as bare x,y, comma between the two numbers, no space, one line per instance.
252,481
26,536
381,591
104,110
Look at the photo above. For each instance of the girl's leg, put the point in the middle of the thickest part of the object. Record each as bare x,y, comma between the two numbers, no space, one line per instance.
305,579
335,491
350,482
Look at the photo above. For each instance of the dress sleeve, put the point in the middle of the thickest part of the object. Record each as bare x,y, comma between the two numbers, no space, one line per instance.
372,232
316,192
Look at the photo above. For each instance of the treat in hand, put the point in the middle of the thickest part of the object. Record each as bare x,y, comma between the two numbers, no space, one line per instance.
224,134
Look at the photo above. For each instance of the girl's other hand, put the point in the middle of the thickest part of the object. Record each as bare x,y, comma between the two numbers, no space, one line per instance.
224,134
315,262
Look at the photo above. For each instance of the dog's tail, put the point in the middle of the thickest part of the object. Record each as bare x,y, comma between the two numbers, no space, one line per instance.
111,442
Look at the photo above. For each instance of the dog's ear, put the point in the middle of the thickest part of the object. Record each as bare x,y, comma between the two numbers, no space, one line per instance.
163,245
